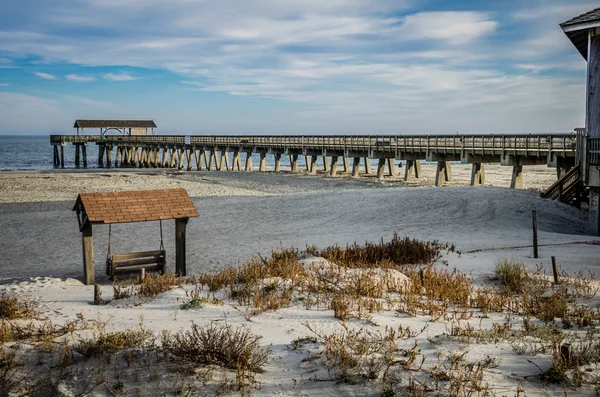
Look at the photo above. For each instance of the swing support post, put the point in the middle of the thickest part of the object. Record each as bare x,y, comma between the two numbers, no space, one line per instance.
180,226
88,254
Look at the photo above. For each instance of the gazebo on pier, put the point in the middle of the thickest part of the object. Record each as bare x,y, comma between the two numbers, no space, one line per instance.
124,127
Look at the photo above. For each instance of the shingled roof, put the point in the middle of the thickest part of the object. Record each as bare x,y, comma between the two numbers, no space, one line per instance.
577,28
114,124
134,206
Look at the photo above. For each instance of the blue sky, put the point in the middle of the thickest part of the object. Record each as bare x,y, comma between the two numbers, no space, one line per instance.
292,66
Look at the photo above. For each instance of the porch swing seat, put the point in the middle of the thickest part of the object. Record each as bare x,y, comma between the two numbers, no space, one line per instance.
134,262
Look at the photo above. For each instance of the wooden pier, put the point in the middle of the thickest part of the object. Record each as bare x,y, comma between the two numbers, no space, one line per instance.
222,152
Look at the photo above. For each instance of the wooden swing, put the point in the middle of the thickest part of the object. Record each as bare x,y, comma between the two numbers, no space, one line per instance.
129,263
135,206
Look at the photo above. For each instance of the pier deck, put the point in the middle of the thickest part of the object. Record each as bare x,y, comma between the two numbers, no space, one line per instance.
208,152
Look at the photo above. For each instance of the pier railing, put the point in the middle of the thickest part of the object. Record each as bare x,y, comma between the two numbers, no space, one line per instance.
492,144
593,151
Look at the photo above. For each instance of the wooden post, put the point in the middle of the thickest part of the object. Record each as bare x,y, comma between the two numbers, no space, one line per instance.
84,151
142,274
180,152
380,168
222,164
237,163
477,174
108,156
227,163
346,164
248,161
535,242
555,270
188,155
62,155
391,167
262,167
294,162
77,147
56,157
333,169
355,166
97,295
367,165
516,181
277,162
566,353
87,243
325,164
180,225
101,149
313,165
307,160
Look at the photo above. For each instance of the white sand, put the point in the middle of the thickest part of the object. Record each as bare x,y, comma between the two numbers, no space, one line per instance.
486,223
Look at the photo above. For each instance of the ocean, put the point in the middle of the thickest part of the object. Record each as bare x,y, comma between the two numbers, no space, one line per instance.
34,152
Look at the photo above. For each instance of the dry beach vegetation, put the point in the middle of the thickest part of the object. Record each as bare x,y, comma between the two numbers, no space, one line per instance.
385,319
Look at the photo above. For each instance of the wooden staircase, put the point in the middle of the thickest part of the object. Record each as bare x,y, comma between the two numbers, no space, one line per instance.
567,189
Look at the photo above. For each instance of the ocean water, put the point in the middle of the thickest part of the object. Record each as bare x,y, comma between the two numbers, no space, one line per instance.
34,152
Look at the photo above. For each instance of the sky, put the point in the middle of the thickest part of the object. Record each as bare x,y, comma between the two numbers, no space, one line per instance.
292,66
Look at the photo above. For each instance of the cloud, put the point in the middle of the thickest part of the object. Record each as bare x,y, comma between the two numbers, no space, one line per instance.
454,27
119,77
79,79
383,60
4,84
45,76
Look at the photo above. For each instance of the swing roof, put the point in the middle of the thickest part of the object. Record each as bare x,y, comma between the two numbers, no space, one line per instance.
134,206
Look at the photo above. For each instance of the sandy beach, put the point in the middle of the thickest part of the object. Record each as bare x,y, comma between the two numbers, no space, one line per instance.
245,214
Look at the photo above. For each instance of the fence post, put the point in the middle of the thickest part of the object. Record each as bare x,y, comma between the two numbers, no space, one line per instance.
535,241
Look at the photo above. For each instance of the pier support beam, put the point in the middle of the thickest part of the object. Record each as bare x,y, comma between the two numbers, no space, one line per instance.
62,155
294,162
277,162
180,152
165,158
56,159
443,173
334,161
380,168
108,156
307,159
211,157
346,165
188,155
84,152
237,163
516,182
77,150
477,174
412,170
262,167
356,167
223,162
248,161
101,149
391,167
325,164
313,165
367,165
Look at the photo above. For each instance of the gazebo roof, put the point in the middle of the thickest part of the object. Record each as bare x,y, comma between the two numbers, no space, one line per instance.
134,206
114,124
577,28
